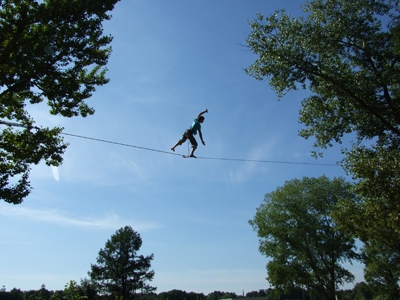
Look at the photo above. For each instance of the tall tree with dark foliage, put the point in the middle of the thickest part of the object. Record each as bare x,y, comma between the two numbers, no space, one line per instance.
120,270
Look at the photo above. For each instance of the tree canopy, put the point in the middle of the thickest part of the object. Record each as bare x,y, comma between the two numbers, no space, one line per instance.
51,51
382,267
120,270
297,232
346,53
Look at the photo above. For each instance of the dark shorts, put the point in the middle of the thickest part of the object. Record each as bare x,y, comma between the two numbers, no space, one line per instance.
188,135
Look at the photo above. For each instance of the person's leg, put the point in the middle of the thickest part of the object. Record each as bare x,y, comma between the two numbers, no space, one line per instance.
194,145
180,142
176,145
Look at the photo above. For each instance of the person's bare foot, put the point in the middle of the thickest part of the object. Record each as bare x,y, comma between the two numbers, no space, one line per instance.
191,155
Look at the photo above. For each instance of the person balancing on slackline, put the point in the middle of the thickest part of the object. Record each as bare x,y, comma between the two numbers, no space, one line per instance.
191,132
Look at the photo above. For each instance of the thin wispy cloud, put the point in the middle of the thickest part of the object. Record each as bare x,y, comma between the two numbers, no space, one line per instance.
251,168
56,175
103,168
109,221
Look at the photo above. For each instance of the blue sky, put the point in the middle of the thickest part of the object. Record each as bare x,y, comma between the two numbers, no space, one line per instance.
170,61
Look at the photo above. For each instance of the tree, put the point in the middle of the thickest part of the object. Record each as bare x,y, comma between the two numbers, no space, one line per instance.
58,295
180,295
381,250
297,232
229,296
14,294
120,270
88,289
72,291
50,51
346,53
41,294
382,268
362,291
218,295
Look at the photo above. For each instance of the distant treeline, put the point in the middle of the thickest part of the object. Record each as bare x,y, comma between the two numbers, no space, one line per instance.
44,294
86,292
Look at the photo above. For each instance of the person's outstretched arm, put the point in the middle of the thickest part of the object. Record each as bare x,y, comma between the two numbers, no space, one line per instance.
201,137
202,113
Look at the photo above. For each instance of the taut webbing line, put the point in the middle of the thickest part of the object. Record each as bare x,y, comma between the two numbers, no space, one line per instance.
172,153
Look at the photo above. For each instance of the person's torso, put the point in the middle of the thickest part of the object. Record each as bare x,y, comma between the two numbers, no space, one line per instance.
195,126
